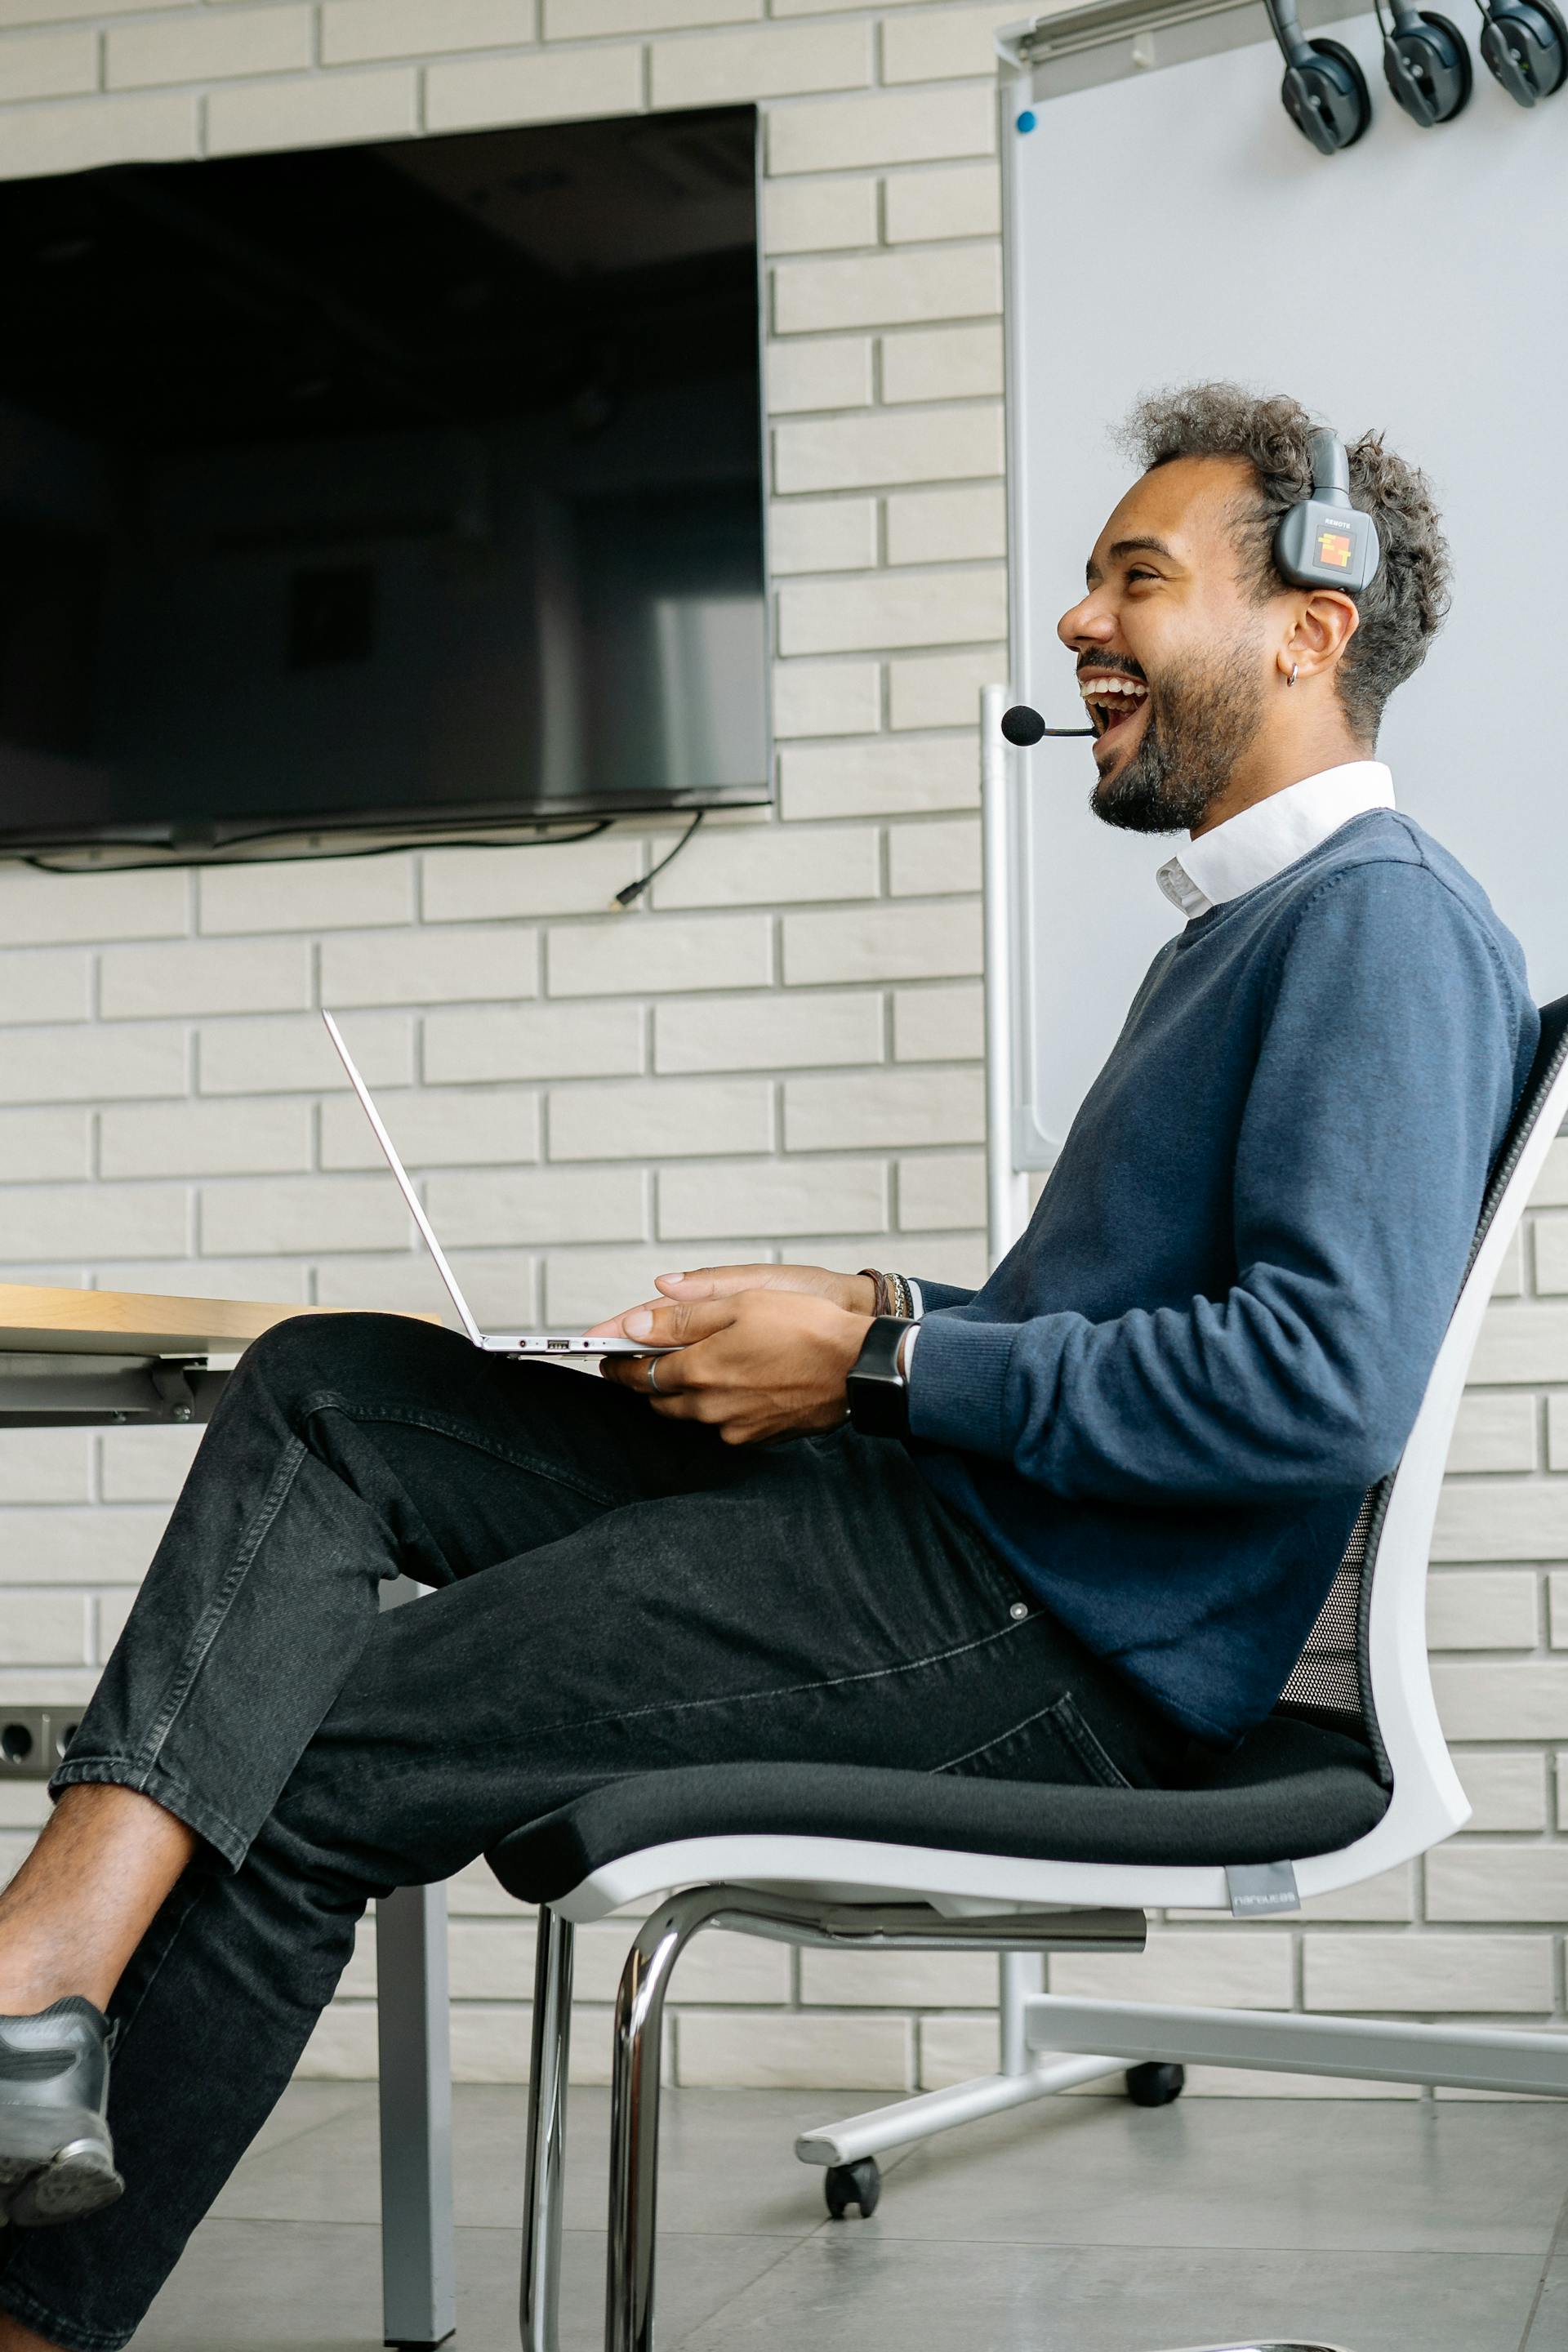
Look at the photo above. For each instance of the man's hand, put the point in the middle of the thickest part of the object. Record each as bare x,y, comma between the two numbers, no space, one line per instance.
854,1292
755,1363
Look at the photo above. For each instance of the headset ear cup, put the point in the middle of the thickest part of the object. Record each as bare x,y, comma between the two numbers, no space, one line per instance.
1525,45
1554,61
1441,60
1327,98
1357,97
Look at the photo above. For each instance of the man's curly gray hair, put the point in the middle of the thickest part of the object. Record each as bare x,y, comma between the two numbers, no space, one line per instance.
1406,606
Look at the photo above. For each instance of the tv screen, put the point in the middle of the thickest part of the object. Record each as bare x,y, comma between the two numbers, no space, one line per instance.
408,490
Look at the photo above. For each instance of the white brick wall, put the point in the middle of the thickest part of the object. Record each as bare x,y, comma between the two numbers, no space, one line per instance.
779,1054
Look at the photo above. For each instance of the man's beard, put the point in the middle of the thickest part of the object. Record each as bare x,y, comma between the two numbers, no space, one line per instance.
1210,711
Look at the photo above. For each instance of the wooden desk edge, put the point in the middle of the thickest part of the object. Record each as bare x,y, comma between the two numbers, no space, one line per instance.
42,1319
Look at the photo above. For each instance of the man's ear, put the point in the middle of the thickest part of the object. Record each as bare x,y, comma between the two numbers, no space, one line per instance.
1325,624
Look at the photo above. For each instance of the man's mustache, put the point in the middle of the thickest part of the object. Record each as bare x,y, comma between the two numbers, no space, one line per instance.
1113,667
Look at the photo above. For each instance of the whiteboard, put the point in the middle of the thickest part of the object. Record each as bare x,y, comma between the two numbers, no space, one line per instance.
1417,282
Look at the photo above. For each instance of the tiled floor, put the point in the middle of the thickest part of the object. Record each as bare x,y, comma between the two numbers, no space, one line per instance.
1083,2226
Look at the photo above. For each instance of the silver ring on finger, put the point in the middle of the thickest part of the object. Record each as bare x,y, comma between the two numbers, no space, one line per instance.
653,1376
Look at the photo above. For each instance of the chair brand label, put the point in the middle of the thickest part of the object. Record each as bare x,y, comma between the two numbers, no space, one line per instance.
1260,1889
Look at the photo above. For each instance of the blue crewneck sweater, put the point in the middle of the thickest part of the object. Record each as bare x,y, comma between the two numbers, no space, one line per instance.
1163,1408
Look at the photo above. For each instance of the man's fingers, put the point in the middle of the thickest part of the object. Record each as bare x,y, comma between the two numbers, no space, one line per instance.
613,1328
651,1376
672,1398
713,1281
676,1323
668,1323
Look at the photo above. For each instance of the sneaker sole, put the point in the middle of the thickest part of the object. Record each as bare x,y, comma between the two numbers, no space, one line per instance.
79,2179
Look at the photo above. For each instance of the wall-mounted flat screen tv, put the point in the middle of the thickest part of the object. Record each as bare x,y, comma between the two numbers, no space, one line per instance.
410,491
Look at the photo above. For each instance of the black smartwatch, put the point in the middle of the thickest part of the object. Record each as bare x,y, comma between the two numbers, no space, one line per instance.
878,1392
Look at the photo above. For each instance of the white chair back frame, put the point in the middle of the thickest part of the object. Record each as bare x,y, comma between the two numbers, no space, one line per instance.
1397,1712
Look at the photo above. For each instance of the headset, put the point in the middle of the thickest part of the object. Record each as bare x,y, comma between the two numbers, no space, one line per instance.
1525,45
1322,542
1324,91
1425,63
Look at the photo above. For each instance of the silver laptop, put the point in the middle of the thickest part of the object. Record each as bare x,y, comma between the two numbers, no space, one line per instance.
502,1343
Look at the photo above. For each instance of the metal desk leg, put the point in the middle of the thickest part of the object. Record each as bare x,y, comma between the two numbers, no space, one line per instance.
418,2267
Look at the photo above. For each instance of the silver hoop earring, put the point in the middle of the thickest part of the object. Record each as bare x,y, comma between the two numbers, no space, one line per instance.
1291,679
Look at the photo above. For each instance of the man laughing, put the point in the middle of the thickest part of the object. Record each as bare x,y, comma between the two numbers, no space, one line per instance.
1072,1528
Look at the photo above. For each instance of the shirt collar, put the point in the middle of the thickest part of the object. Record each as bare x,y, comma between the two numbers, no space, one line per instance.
1251,847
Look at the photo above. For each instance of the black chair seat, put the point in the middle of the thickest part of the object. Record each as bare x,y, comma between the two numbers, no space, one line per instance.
1291,1789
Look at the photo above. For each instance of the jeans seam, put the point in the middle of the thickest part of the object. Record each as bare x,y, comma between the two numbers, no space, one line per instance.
1089,1748
16,2300
784,1690
217,1609
172,1793
997,1738
441,1425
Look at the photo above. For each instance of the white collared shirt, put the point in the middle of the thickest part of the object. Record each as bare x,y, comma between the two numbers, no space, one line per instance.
1257,843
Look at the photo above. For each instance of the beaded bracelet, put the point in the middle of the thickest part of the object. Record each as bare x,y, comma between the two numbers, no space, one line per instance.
894,1296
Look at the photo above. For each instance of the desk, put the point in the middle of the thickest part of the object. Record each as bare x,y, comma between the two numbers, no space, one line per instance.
88,1358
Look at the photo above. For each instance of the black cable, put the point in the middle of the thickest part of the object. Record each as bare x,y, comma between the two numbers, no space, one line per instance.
41,864
634,890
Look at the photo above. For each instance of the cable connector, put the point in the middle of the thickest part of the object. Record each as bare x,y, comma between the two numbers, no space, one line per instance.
634,890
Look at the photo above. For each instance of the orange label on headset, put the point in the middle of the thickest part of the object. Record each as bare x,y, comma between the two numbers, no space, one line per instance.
1334,547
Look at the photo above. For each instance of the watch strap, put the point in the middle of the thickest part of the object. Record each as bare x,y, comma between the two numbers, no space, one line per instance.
878,1393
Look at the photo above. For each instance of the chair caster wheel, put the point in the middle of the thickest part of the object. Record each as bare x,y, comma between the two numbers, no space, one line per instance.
1155,2084
853,2184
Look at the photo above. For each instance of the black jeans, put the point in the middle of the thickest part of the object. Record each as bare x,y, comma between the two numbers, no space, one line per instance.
613,1593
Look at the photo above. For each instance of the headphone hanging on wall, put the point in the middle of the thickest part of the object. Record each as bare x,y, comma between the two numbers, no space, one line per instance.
1525,45
1425,63
1324,91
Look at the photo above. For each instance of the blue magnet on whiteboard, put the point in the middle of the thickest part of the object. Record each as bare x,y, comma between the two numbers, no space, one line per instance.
1027,120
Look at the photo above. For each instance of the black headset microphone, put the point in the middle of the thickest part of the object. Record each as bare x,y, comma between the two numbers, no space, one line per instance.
1022,726
1321,541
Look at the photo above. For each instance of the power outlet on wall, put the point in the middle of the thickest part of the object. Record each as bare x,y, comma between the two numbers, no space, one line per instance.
34,1738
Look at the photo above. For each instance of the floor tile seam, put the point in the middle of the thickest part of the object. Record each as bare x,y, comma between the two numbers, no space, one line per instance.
289,2139
1559,2236
672,2233
728,2302
1187,2245
667,2236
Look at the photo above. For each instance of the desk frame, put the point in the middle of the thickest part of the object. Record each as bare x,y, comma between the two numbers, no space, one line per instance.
68,1389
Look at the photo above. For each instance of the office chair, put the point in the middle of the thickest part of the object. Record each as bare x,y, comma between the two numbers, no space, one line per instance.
1347,1778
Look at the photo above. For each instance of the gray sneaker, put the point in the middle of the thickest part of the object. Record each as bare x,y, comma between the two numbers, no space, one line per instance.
57,2159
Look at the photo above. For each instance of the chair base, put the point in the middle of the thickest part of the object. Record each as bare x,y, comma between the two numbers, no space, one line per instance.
635,2081
1352,2049
859,2136
1067,2040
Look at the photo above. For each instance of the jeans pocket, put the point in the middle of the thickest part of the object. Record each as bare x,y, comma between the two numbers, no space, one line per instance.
1054,1743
